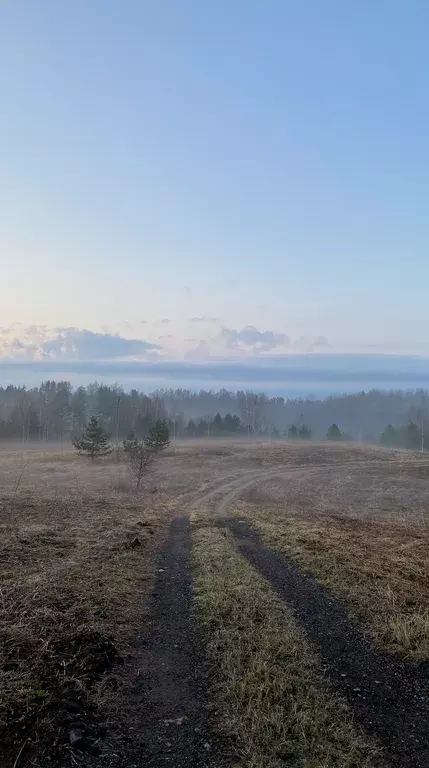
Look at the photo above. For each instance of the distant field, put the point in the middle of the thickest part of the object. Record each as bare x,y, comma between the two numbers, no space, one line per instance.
78,562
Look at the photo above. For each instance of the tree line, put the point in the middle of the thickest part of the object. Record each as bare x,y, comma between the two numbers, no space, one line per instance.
56,411
409,436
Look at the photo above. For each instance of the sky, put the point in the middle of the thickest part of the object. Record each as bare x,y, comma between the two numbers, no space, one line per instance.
199,181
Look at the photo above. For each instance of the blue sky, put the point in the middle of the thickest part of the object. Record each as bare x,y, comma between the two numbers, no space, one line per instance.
218,170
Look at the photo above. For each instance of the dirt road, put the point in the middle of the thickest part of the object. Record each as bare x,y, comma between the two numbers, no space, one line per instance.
389,697
175,728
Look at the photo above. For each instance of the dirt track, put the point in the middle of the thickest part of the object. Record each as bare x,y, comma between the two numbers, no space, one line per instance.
175,724
389,697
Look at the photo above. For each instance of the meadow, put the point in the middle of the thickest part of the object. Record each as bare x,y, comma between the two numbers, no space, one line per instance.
81,583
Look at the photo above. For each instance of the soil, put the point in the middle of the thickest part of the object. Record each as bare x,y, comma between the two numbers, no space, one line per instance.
175,726
389,697
66,710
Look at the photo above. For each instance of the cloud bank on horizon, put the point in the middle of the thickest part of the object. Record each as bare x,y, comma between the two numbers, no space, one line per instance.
249,358
37,343
145,342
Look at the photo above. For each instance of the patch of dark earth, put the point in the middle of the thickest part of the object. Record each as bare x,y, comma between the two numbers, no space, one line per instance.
46,729
175,710
389,697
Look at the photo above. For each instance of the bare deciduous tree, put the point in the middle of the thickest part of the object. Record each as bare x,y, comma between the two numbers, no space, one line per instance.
139,458
141,453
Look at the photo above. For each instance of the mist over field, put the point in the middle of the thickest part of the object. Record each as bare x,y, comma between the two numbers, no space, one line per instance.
59,409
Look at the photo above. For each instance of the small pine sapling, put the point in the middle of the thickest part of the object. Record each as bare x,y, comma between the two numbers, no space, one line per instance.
94,442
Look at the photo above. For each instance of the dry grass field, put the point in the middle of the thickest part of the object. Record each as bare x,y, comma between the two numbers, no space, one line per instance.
78,563
76,566
363,531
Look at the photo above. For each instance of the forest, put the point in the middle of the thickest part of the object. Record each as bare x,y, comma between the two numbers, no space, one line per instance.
56,411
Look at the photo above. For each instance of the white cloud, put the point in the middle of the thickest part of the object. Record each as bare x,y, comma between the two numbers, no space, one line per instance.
203,319
250,342
201,352
321,341
264,340
38,343
247,342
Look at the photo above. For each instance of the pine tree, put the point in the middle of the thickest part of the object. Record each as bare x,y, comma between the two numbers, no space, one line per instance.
94,442
231,423
217,424
334,433
202,427
412,436
191,428
390,437
159,437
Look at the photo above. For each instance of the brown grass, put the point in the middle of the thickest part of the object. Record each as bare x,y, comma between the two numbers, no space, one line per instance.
379,569
75,570
268,686
379,485
360,523
362,530
77,554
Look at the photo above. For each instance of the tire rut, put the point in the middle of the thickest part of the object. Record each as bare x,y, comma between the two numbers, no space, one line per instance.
175,726
389,697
